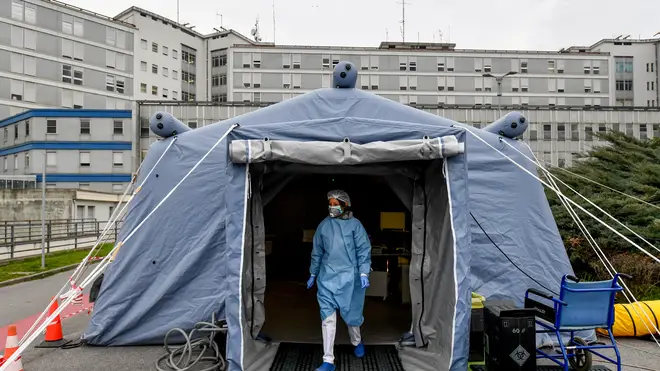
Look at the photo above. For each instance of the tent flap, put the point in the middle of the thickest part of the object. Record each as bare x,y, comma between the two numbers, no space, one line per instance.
345,152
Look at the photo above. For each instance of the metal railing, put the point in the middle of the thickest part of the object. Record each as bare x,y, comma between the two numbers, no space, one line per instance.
20,239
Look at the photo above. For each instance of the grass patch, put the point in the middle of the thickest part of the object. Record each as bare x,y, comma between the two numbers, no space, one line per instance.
21,268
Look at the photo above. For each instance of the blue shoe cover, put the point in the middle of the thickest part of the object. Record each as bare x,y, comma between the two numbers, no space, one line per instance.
359,350
326,367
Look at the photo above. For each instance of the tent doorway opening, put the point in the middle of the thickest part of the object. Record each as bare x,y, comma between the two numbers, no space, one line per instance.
291,217
413,286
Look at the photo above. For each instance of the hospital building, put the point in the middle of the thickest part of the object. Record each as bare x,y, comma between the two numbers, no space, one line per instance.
66,61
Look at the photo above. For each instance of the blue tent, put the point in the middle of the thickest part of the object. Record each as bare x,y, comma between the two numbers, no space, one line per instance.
202,251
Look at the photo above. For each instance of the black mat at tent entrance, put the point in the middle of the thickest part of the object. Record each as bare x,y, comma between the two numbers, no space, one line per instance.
546,368
307,357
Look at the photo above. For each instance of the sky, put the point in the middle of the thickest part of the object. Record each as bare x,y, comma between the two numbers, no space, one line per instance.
471,24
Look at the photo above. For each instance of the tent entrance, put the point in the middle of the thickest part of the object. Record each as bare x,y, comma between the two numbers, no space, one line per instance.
414,171
290,218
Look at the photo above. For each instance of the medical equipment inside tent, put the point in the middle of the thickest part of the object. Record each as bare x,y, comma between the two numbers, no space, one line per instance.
224,215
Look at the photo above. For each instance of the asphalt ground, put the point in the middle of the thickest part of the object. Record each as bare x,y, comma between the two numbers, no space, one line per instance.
25,300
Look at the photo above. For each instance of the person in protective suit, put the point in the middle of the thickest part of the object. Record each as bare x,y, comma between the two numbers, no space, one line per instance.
341,262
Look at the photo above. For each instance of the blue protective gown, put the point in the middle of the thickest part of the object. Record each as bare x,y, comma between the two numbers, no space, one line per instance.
341,253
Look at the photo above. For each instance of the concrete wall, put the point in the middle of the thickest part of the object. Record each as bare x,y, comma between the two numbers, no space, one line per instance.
25,204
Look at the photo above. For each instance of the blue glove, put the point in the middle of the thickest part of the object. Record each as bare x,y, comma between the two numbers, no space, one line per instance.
310,282
364,280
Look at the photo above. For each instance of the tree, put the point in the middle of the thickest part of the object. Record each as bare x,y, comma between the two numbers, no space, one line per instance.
628,165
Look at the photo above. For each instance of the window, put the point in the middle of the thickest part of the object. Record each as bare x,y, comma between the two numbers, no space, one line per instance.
91,212
192,124
191,97
154,90
143,44
117,159
30,13
215,80
154,47
286,81
256,80
297,81
143,66
374,82
17,37
17,10
524,84
15,161
175,54
85,127
27,160
117,188
412,64
588,134
552,85
551,66
478,64
441,64
624,85
561,85
166,72
16,61
16,131
561,132
403,63
587,86
110,59
51,126
256,60
165,50
296,61
547,132
596,86
27,128
215,61
286,61
188,77
16,90
478,84
154,68
85,159
189,57
643,134
487,65
143,88
403,82
364,62
587,67
118,127
51,158
110,36
561,65
596,68
109,83
78,29
523,66
30,39
451,83
165,93
175,74
175,95
30,66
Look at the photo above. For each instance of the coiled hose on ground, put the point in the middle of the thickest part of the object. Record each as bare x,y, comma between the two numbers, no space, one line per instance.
182,358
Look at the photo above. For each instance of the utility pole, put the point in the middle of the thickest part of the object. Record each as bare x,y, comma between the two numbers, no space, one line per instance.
43,213
499,79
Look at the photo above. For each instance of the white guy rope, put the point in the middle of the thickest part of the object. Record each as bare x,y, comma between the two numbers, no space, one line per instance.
80,269
606,263
568,199
97,271
599,184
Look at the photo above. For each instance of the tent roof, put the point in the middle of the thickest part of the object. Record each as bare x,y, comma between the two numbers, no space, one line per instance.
329,103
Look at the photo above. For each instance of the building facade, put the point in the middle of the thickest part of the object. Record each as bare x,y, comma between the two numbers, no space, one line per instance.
636,75
82,148
436,74
56,55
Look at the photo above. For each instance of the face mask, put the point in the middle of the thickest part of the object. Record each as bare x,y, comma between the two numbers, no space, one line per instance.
335,211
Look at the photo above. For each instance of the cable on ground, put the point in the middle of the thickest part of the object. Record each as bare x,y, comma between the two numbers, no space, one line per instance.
183,358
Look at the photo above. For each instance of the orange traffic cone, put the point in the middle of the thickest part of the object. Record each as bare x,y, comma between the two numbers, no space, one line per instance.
11,347
54,337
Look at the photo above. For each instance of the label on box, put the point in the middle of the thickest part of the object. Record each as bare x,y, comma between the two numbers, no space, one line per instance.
520,355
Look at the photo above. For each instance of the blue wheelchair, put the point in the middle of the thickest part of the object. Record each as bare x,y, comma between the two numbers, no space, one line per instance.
581,306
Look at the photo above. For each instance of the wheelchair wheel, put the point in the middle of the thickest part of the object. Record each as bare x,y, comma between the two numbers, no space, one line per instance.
581,360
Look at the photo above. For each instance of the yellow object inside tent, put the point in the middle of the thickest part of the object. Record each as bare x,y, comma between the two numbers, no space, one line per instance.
638,319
